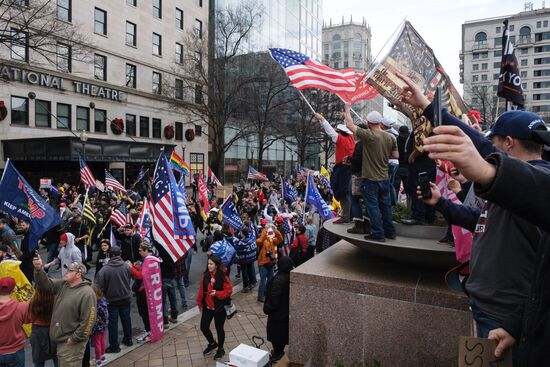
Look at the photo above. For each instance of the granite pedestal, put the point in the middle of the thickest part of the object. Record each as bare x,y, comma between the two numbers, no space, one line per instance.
348,305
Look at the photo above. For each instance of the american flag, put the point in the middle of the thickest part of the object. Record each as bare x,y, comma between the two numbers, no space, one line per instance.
172,227
111,181
120,215
305,72
253,174
288,237
213,177
86,176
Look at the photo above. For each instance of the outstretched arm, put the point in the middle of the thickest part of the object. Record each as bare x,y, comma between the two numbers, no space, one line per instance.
329,130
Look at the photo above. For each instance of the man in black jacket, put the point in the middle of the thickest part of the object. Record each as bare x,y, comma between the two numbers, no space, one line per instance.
498,180
114,280
129,243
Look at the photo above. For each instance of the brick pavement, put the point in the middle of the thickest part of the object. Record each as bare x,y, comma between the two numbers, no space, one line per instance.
183,344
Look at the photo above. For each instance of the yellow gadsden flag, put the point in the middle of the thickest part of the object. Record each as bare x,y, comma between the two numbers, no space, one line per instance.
324,172
23,289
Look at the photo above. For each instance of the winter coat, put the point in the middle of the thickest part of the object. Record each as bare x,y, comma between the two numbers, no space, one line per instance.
277,300
114,280
102,317
69,254
224,289
12,316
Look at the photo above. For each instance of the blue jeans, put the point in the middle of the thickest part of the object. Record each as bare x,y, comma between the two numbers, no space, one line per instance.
266,274
16,359
42,364
484,323
392,170
169,294
53,251
188,257
354,203
180,282
122,309
376,195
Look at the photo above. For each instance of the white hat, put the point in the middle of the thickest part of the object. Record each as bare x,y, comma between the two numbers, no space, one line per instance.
343,128
374,117
387,122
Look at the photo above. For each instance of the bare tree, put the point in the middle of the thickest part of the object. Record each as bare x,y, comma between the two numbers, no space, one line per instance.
37,25
484,100
214,85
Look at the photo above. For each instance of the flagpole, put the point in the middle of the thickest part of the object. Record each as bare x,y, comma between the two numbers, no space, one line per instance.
305,199
85,199
4,171
352,110
307,102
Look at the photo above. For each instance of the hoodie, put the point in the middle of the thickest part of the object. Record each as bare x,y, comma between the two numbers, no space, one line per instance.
114,280
74,308
69,254
12,316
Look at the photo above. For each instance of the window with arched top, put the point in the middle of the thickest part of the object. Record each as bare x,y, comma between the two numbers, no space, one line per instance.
524,31
481,37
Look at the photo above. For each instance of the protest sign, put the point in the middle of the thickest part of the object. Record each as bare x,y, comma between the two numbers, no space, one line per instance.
477,352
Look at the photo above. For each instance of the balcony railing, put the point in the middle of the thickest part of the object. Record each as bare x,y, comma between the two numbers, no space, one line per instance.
523,40
480,45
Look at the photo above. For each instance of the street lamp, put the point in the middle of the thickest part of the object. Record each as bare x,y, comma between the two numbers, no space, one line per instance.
252,151
84,139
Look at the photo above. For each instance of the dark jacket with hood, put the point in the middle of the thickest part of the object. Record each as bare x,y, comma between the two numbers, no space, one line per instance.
277,299
114,280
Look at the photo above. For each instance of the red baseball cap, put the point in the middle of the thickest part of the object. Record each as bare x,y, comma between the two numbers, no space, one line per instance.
7,285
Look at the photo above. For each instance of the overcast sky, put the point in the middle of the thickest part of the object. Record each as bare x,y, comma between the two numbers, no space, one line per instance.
438,22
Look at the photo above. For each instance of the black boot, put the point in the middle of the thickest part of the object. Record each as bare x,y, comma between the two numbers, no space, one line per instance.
210,348
358,226
219,354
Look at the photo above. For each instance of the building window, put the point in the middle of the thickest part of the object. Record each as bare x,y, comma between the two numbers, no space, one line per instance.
157,83
496,65
497,53
541,49
100,23
130,75
143,126
157,44
198,58
198,28
179,53
64,116
130,125
100,121
64,10
545,24
543,36
496,76
497,30
199,3
179,131
19,110
545,72
178,93
42,113
498,41
523,74
480,39
524,51
475,67
179,18
63,58
82,118
157,8
476,55
198,130
131,2
475,78
19,45
524,62
539,24
100,67
131,34
484,66
542,60
157,125
511,27
198,94
484,77
524,86
196,163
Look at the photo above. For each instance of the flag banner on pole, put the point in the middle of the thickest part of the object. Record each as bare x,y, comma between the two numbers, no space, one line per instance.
313,197
119,216
144,221
152,284
203,194
363,90
19,199
89,216
411,56
179,164
86,175
112,238
324,172
112,182
230,215
509,80
140,176
213,177
181,185
289,192
326,182
304,72
172,227
253,174
99,185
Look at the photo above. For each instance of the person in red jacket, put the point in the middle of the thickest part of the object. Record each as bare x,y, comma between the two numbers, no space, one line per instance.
214,292
12,316
298,252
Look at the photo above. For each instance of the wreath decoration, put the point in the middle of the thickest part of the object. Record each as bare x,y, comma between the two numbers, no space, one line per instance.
117,126
169,131
3,111
189,134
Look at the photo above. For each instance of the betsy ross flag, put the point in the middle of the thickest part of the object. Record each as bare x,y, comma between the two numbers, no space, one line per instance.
111,181
213,177
120,215
253,174
509,81
304,72
172,227
86,175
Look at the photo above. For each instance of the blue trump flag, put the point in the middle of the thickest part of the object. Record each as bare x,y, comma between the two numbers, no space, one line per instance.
325,182
19,199
313,197
230,215
289,191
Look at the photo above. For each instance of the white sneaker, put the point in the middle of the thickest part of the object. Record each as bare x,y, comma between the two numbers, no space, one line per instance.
145,337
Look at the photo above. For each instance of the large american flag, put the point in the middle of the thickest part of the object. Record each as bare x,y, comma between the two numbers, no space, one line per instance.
111,181
172,227
305,72
253,174
86,176
120,215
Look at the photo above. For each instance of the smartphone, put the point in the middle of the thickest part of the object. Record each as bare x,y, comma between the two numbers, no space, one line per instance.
437,107
424,183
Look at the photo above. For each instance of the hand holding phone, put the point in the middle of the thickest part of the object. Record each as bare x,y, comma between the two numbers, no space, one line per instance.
424,183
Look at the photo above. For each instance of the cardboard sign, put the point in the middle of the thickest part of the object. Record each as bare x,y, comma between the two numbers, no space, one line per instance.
45,182
478,352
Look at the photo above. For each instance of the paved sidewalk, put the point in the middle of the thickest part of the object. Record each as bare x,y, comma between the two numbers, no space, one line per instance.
183,344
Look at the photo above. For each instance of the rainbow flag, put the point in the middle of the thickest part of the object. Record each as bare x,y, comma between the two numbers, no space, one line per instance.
179,164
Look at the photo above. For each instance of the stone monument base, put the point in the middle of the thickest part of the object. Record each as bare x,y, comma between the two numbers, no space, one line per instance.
348,306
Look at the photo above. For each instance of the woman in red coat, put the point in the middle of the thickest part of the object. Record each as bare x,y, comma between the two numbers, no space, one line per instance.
214,293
